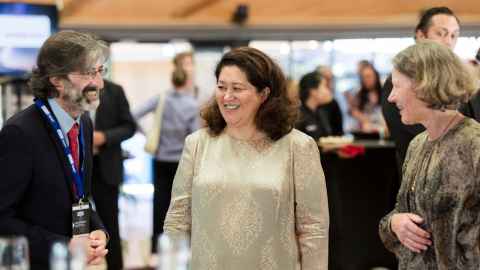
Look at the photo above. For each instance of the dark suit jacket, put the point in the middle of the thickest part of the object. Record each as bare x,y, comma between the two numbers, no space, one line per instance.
114,119
472,107
401,134
35,187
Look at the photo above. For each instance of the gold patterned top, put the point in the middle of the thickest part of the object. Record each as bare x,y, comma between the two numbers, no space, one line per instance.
441,183
251,206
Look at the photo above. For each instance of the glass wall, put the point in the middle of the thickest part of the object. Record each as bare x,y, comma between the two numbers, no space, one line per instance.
144,69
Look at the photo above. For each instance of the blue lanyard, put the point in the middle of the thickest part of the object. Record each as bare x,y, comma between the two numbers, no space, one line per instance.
77,176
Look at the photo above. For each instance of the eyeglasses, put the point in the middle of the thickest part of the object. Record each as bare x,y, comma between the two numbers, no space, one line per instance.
91,74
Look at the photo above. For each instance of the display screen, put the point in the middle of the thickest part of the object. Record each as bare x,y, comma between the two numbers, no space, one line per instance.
23,29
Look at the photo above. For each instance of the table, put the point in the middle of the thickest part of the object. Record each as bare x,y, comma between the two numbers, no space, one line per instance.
361,190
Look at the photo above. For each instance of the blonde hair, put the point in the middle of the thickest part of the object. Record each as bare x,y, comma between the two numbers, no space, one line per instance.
178,59
442,79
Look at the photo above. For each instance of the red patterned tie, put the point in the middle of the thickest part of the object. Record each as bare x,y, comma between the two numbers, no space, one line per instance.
73,140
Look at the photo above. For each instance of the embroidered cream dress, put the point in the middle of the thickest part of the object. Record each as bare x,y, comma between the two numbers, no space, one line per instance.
251,205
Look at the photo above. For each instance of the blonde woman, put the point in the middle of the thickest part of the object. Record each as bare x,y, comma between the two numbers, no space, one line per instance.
435,223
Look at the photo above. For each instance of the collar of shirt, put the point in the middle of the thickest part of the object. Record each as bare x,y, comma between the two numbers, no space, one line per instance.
64,119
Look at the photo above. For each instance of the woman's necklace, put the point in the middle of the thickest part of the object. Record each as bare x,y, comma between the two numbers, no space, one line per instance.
444,131
449,125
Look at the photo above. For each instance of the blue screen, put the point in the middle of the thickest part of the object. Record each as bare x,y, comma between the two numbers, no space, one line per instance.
23,29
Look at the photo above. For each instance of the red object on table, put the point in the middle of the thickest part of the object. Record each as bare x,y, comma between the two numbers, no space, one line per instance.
351,151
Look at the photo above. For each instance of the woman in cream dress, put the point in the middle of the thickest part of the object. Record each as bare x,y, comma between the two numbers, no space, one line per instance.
250,190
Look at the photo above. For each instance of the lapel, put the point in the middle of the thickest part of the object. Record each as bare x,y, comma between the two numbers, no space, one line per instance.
103,108
87,155
68,177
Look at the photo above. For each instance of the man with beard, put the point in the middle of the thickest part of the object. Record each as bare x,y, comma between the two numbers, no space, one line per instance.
46,153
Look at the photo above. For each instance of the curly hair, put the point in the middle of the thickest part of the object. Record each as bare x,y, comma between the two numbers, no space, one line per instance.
62,53
277,114
442,79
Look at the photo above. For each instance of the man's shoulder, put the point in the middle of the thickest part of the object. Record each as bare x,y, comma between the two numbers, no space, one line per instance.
111,85
24,124
112,89
26,118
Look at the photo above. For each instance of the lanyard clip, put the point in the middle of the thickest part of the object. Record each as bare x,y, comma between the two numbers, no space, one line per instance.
82,201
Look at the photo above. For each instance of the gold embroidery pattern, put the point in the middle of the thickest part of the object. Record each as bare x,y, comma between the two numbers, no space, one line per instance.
260,145
210,187
242,210
241,223
305,167
267,261
287,233
251,152
203,255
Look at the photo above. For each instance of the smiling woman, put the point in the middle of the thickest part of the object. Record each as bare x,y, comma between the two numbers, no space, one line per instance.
256,83
435,223
250,189
237,99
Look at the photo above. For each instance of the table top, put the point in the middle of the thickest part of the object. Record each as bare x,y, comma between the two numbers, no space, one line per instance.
365,143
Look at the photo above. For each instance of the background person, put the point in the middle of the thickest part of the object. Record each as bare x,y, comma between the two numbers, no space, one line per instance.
440,25
113,123
365,107
472,107
176,116
315,119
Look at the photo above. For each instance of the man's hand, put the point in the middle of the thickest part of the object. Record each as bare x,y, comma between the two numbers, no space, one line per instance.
97,242
99,138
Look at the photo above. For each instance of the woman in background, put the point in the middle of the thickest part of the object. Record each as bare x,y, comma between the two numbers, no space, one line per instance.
176,116
332,108
316,120
365,107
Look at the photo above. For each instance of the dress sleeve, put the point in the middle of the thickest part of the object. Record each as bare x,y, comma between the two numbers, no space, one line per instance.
388,237
179,216
311,206
456,221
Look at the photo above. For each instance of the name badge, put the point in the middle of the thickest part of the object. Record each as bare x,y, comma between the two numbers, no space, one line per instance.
80,219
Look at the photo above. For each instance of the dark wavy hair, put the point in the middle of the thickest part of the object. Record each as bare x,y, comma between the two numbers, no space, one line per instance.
426,17
277,114
363,93
62,53
307,83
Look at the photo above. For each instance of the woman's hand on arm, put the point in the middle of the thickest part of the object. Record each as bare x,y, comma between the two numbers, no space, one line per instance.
409,233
